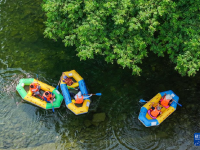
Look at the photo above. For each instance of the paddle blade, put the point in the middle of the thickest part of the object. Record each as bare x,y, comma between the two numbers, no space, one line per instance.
57,87
179,104
98,94
142,101
52,106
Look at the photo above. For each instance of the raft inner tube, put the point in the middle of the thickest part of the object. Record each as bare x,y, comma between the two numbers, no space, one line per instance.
76,109
27,95
147,119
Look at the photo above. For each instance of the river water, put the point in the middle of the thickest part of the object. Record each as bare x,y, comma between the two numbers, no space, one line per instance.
24,52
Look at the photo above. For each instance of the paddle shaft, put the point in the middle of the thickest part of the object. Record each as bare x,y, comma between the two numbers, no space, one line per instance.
177,103
37,80
52,106
57,87
149,102
98,94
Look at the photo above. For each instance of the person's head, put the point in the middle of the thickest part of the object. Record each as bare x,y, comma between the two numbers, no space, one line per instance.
158,108
65,77
46,93
79,94
168,96
31,86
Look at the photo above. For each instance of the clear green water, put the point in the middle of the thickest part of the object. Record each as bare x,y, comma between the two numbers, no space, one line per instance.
24,53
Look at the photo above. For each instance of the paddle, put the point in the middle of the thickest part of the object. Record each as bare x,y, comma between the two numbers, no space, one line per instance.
57,87
98,94
52,106
71,88
40,96
143,101
177,103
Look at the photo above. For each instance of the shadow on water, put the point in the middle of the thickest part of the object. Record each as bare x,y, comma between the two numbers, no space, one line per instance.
24,53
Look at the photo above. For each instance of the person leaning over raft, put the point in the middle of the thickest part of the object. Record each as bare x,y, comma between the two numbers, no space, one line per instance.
35,88
79,97
166,101
48,97
155,111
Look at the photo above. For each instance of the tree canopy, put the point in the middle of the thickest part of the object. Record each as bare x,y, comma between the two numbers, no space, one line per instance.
125,31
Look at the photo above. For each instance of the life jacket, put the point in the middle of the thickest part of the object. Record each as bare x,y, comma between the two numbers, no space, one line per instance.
68,81
165,102
48,97
79,100
35,87
155,112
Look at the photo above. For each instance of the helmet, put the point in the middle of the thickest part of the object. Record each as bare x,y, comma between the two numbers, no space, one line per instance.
158,108
65,77
168,96
79,94
31,86
46,93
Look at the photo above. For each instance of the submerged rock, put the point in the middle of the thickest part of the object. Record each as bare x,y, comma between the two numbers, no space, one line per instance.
121,117
99,117
87,123
95,123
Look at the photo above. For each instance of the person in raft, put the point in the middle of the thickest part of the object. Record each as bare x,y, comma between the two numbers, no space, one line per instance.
35,88
48,97
155,111
166,100
67,80
79,98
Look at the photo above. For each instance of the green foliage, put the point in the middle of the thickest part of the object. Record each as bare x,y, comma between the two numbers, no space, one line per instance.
124,31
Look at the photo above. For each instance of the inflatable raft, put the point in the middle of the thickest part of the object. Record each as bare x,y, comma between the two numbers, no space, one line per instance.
27,95
145,116
79,83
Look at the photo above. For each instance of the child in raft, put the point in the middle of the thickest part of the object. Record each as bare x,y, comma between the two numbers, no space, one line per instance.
35,88
155,111
79,98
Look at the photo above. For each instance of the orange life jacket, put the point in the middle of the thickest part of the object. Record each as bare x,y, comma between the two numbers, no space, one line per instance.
79,100
155,112
68,81
165,102
35,87
47,97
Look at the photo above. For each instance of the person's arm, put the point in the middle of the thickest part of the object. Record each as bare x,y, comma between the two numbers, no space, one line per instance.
79,93
85,97
53,96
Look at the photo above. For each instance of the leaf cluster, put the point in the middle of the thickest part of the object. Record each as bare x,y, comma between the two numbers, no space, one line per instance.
124,31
